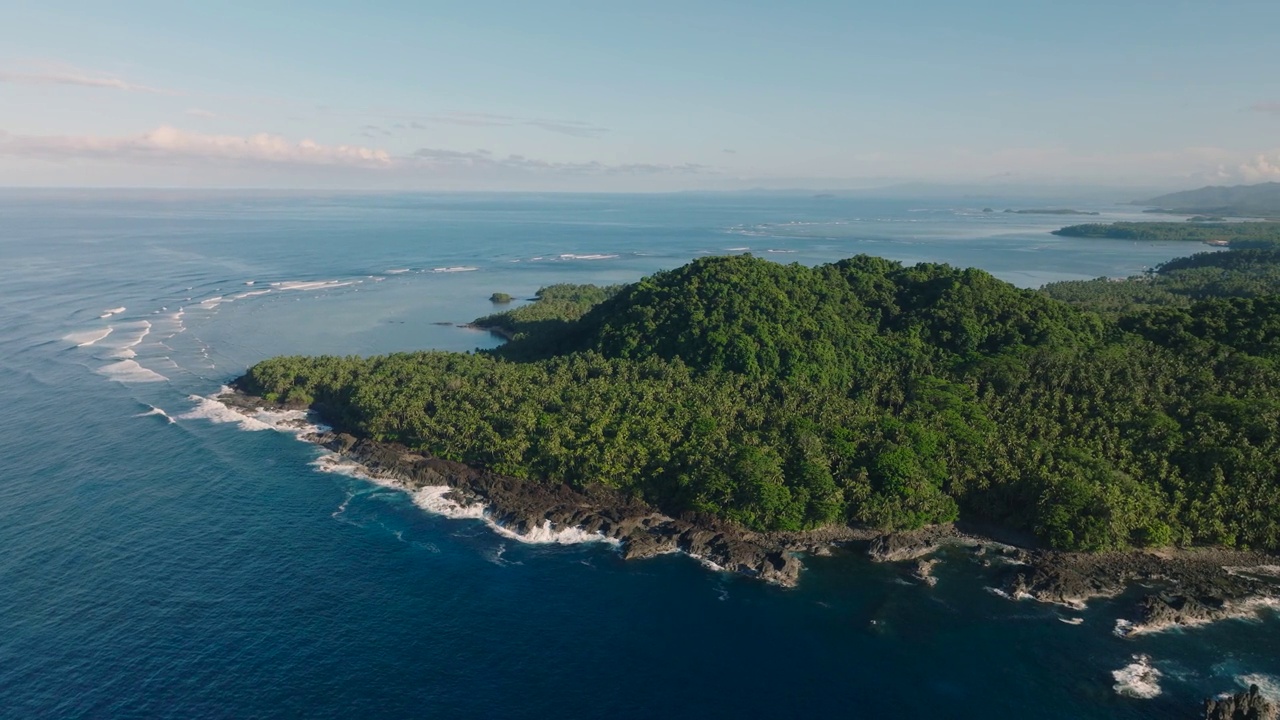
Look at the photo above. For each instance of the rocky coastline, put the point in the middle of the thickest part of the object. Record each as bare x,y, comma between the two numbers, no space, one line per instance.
1179,587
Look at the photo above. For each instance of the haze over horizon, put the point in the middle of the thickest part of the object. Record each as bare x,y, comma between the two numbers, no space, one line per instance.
561,96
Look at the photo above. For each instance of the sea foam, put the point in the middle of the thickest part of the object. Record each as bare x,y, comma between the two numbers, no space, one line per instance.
1138,679
1268,685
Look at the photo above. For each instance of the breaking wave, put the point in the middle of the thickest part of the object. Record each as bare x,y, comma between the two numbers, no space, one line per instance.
129,371
1137,679
87,337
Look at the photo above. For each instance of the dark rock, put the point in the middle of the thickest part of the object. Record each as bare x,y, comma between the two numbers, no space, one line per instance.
1248,705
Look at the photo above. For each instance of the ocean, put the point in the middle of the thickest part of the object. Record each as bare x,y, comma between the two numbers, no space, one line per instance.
157,560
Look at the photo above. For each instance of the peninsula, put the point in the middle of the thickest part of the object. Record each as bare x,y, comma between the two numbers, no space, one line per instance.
741,410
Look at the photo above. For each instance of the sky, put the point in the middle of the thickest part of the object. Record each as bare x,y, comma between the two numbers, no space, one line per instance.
654,96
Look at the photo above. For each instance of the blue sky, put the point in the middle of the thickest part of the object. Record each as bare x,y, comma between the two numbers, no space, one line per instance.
659,95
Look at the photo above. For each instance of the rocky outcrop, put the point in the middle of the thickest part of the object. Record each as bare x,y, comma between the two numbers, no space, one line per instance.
1187,587
524,507
1248,705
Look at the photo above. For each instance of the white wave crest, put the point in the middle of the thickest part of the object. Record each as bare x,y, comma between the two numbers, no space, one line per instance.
127,337
156,411
111,311
396,271
456,268
780,251
311,284
87,337
596,256
249,294
1137,679
129,371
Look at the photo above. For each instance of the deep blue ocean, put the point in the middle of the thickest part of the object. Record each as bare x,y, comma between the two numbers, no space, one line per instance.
157,563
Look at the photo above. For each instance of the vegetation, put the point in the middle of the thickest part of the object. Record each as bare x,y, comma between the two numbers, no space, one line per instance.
1231,233
554,307
500,298
789,397
1253,271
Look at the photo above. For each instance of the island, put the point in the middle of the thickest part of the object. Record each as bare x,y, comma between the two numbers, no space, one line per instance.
1247,201
747,412
1223,233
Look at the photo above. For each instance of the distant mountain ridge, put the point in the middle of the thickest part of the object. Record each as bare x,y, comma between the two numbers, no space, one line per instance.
1262,201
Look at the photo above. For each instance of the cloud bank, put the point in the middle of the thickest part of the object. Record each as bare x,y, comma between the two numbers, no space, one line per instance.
168,144
65,75
482,159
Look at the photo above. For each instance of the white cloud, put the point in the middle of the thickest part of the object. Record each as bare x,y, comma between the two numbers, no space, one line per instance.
1260,169
67,75
168,144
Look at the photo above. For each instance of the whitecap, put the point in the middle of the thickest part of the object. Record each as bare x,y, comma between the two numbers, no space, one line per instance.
311,284
780,251
596,256
249,294
129,371
396,271
87,337
156,411
111,311
1072,620
1137,679
738,249
456,268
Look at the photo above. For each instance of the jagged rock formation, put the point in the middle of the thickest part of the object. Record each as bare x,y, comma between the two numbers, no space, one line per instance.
1248,705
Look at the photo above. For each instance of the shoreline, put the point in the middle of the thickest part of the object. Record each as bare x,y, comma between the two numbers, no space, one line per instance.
1185,587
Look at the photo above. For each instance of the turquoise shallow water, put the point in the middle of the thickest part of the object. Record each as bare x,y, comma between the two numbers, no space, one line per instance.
165,565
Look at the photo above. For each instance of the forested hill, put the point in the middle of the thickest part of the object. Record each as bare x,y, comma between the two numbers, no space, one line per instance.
1261,200
863,392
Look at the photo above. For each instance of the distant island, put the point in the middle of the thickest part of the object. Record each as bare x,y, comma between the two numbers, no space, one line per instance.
1247,201
741,410
1239,234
